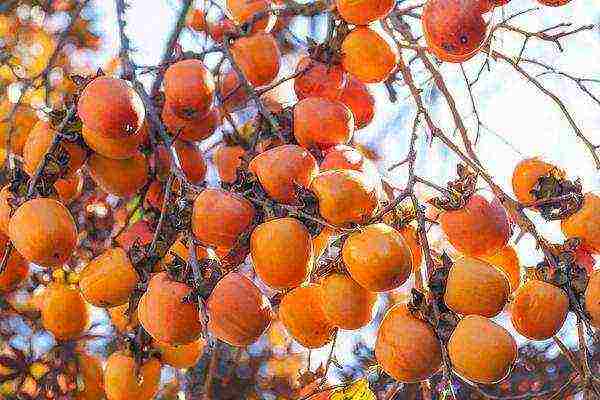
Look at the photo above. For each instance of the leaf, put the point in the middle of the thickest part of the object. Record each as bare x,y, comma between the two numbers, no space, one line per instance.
359,390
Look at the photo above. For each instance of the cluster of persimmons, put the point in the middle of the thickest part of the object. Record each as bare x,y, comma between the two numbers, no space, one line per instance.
285,196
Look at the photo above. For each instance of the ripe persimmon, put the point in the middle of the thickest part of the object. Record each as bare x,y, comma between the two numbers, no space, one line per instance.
91,374
182,356
121,320
508,262
232,92
122,178
527,174
111,107
64,312
117,148
347,305
584,223
407,347
592,298
165,314
69,188
196,20
345,196
238,313
125,380
191,161
368,56
258,57
23,121
322,123
481,350
343,156
189,89
489,5
316,79
454,29
14,272
321,241
554,3
377,257
193,130
220,217
476,287
363,12
478,229
359,100
227,159
108,279
38,143
6,198
539,310
276,262
221,28
180,249
245,11
281,168
43,232
303,315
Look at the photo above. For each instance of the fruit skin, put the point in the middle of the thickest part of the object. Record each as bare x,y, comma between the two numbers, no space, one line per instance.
43,232
183,356
343,156
322,123
476,287
14,273
232,92
302,313
592,298
539,310
64,312
121,381
411,237
238,313
69,189
526,175
227,159
110,107
345,196
359,100
120,320
164,314
347,305
489,5
481,350
24,120
280,169
479,229
406,347
193,130
377,258
189,89
119,149
317,79
368,56
196,20
244,10
276,262
554,3
508,262
584,223
220,217
109,279
258,57
454,29
122,178
191,161
38,143
363,12
90,370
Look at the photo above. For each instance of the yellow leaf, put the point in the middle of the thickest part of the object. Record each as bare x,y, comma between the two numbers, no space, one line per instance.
359,390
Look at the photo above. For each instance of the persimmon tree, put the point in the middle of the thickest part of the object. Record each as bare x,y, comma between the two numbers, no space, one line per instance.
221,224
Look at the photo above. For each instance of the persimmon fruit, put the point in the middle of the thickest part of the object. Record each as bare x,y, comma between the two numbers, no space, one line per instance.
316,79
92,376
122,178
527,174
508,262
64,312
14,272
227,159
121,320
191,162
191,130
357,97
245,11
368,56
584,223
322,123
592,298
258,57
347,305
124,380
117,148
182,356
363,12
189,89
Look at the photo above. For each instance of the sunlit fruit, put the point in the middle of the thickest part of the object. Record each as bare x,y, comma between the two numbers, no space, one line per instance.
245,11
109,279
481,228
125,380
345,196
592,298
117,148
14,272
258,57
165,313
584,223
121,178
363,12
64,312
189,89
316,79
123,321
220,217
481,350
91,375
227,159
322,123
347,305
406,347
303,315
276,262
109,106
359,100
196,20
281,169
377,257
238,313
343,156
489,5
476,287
182,356
527,174
192,130
43,232
508,262
554,3
368,56
221,28
539,310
